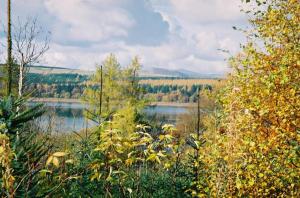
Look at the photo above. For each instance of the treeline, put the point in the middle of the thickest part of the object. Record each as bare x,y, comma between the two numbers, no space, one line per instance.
173,93
56,85
48,79
73,86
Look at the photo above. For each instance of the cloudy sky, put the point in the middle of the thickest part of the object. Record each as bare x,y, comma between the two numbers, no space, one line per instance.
172,34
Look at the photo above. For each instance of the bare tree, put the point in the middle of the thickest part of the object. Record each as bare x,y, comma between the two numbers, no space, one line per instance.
30,44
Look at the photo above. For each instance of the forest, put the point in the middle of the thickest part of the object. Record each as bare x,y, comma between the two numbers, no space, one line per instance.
240,139
159,90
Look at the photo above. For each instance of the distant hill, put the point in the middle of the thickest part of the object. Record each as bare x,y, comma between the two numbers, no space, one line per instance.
146,72
57,70
179,73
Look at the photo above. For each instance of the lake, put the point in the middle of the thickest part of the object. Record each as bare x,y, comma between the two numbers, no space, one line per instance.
67,117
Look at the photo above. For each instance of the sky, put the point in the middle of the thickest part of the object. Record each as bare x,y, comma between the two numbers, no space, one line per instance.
171,34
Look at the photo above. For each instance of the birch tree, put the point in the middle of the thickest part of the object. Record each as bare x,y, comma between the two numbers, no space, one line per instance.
30,43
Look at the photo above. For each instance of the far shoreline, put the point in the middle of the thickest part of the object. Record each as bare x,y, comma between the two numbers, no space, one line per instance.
71,100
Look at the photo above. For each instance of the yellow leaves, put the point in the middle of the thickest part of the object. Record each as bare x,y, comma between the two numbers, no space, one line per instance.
59,154
292,92
161,137
44,172
109,178
6,157
261,110
70,161
167,137
54,159
96,176
49,160
142,127
167,165
238,184
251,182
226,158
129,161
168,128
154,157
3,128
123,149
1,150
160,154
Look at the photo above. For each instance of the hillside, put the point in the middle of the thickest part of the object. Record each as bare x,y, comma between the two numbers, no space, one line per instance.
154,72
57,70
178,73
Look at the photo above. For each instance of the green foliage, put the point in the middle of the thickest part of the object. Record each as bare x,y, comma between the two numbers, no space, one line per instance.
160,183
173,93
120,91
125,150
4,79
12,118
27,148
48,79
56,85
31,150
117,164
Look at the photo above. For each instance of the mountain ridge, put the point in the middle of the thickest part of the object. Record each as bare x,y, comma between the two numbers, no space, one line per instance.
145,72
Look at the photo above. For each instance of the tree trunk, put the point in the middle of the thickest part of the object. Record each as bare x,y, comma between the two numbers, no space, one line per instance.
198,134
101,94
21,76
9,49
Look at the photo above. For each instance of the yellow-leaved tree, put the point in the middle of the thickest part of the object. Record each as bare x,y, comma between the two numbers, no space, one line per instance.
114,94
256,151
6,157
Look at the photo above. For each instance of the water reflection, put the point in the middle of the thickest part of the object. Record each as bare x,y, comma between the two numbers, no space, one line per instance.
67,117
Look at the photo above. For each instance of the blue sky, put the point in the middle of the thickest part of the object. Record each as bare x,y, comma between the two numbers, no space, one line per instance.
172,34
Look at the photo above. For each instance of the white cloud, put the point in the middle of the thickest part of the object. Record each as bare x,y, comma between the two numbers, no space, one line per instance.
86,31
89,20
205,66
206,28
169,55
206,11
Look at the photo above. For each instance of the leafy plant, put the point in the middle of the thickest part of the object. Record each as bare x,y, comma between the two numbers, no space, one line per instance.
23,149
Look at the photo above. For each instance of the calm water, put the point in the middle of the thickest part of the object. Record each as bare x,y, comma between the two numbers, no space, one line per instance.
67,117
